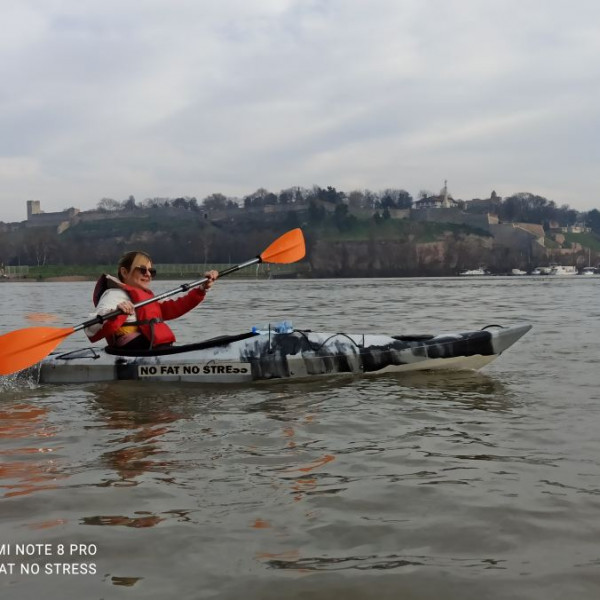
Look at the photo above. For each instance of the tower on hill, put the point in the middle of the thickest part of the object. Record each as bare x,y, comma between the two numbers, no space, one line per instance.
33,208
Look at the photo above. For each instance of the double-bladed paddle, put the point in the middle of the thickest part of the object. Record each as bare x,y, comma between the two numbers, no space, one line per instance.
25,347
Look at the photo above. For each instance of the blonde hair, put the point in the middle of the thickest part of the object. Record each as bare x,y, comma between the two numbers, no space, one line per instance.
127,260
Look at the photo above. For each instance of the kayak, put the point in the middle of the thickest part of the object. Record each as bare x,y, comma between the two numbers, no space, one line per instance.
293,354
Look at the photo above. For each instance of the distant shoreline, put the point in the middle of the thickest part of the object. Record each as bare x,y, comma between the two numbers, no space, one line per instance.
78,278
63,279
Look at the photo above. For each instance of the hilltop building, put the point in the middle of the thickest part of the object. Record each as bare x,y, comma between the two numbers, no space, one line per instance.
38,218
443,200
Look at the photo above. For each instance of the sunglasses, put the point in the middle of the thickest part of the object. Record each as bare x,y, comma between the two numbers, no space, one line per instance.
146,271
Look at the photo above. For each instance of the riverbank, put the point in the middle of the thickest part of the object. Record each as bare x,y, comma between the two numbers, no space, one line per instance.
184,272
65,279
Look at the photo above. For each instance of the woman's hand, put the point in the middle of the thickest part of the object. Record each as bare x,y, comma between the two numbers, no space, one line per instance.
126,307
211,277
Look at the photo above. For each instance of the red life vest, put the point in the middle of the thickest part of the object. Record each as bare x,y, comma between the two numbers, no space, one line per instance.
149,317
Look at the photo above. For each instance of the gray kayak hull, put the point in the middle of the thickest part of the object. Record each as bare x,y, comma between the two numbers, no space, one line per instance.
300,354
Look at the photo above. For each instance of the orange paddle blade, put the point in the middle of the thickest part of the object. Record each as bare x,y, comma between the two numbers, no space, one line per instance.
25,347
288,248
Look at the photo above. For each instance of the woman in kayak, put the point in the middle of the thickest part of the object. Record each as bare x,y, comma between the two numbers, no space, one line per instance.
142,328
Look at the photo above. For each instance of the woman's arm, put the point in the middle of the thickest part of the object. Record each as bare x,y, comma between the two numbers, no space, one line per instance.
109,301
171,309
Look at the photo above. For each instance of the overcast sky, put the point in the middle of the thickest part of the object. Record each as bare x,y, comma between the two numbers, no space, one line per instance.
190,97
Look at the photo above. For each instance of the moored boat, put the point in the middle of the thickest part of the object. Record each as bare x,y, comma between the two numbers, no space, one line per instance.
473,272
589,271
562,270
295,354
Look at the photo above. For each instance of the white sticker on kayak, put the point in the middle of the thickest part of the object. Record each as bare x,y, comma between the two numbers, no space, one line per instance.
209,368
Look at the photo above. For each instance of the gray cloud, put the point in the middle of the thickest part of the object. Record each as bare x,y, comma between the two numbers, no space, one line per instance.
189,98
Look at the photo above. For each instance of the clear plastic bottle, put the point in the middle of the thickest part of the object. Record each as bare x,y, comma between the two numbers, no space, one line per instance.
284,327
281,327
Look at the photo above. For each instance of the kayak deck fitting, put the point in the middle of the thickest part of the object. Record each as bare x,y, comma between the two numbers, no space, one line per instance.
297,354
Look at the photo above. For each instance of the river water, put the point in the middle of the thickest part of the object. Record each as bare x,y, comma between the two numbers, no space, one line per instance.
428,486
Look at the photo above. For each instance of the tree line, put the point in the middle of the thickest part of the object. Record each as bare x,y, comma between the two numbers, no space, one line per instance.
364,199
521,207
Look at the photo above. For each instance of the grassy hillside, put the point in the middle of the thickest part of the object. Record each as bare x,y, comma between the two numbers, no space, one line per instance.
391,229
587,240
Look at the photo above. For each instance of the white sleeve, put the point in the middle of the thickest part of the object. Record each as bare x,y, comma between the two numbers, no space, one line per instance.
107,303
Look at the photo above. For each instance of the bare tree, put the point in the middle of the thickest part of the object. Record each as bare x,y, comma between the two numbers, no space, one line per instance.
108,204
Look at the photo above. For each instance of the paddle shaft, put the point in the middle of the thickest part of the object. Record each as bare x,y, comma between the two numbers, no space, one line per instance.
178,290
